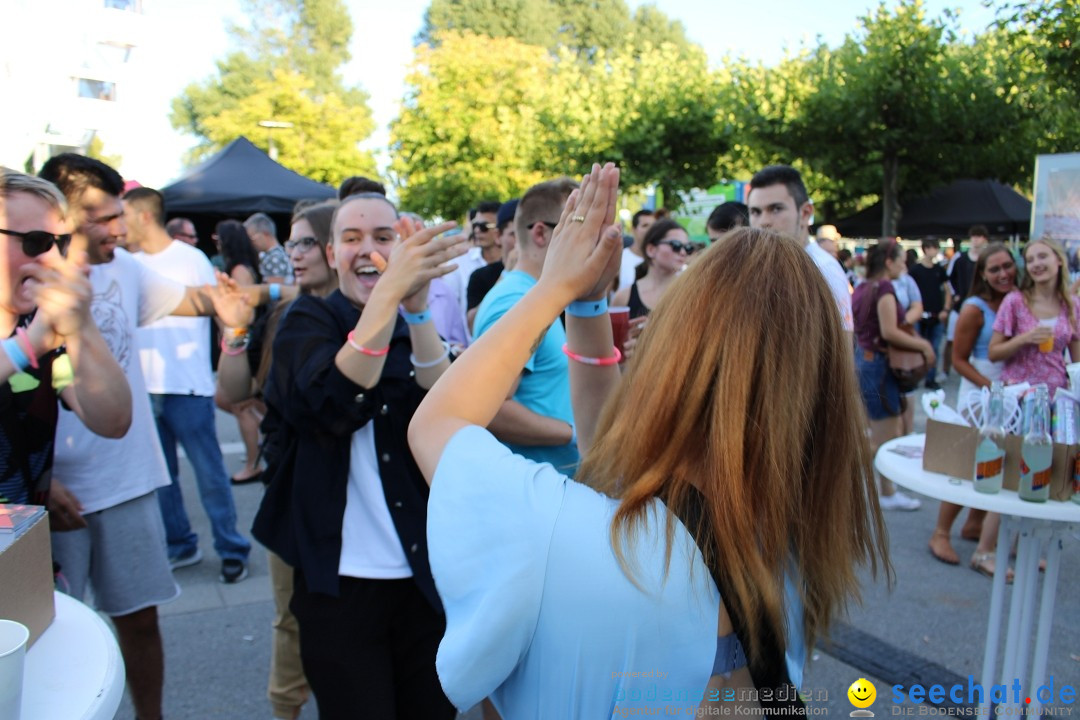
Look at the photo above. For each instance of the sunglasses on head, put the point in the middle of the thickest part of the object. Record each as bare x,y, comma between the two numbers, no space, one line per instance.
304,243
483,226
678,246
36,242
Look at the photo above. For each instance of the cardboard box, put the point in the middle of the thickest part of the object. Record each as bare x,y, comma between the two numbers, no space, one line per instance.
950,450
26,576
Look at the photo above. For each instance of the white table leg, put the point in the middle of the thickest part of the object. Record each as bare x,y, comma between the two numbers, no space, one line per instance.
1046,615
1016,607
997,603
1028,555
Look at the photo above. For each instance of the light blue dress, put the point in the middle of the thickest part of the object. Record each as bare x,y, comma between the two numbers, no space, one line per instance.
539,614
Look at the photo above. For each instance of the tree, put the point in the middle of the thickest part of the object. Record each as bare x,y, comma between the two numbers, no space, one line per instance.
900,101
581,26
488,117
285,70
651,109
468,128
1055,27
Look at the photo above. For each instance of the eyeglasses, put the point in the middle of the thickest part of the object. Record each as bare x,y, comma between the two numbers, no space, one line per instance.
185,235
479,227
36,242
677,246
304,243
541,222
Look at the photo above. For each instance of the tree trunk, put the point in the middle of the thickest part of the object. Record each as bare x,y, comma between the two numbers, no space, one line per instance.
890,194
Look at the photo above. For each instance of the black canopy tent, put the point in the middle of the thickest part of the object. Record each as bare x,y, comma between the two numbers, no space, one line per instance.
236,182
949,211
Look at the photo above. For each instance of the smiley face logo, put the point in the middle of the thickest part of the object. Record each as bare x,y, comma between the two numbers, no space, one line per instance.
862,693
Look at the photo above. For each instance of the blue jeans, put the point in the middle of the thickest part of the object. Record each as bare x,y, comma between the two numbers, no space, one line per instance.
932,330
190,419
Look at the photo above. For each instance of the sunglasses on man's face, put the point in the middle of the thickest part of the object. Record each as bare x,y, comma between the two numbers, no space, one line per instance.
479,227
678,247
304,243
36,242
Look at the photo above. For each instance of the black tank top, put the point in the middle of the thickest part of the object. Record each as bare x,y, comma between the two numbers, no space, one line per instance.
637,308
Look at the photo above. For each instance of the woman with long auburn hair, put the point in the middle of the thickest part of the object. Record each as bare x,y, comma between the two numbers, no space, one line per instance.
747,507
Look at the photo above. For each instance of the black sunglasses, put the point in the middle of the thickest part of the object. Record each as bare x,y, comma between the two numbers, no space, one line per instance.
36,242
541,222
677,246
483,226
304,243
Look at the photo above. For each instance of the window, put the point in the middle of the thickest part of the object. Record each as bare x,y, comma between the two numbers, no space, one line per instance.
97,89
130,5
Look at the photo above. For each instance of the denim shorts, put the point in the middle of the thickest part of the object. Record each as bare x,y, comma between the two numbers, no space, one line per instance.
880,393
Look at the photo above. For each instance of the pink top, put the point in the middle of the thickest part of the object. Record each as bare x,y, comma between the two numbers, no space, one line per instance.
1028,364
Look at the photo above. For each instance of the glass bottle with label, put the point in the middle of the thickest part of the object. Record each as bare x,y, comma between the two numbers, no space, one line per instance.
1037,451
990,452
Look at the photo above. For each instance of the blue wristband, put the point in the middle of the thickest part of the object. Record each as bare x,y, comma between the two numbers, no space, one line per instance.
416,318
16,355
275,292
587,308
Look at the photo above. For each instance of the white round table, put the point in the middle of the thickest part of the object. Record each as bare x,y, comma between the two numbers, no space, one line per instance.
1036,523
74,671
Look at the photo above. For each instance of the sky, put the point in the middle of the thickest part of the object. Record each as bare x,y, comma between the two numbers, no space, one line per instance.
185,37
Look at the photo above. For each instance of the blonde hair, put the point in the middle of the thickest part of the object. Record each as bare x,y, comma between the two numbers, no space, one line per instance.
748,384
12,182
1027,285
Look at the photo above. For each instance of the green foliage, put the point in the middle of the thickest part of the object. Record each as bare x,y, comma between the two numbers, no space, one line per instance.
900,103
468,128
96,149
285,70
1054,27
582,26
488,117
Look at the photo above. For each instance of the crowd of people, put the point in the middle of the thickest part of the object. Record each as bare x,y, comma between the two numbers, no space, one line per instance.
373,355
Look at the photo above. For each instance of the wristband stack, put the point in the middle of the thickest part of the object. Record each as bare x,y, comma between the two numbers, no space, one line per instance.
235,341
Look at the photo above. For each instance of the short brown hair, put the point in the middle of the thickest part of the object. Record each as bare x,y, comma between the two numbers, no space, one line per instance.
542,203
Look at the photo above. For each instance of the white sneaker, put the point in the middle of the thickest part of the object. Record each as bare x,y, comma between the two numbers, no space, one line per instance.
898,501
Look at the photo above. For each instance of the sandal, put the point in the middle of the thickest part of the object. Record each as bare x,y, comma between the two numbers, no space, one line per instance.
984,563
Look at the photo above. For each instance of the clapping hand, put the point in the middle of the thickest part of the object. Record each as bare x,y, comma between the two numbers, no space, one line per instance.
420,257
231,303
586,247
62,293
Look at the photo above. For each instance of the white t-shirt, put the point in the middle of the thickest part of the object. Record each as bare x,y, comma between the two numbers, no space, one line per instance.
103,472
175,351
837,281
370,547
458,281
628,268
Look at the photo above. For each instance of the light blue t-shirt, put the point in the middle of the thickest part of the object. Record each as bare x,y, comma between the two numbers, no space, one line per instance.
539,614
545,385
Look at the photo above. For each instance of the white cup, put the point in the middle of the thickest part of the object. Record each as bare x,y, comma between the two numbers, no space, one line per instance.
13,637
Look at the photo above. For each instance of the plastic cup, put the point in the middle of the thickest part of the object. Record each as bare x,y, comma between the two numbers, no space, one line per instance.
1048,345
13,637
620,325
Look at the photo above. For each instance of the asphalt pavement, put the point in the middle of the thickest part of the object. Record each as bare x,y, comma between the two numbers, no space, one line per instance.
929,627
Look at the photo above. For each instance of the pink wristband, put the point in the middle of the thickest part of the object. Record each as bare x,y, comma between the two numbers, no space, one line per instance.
28,347
232,351
365,351
598,362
